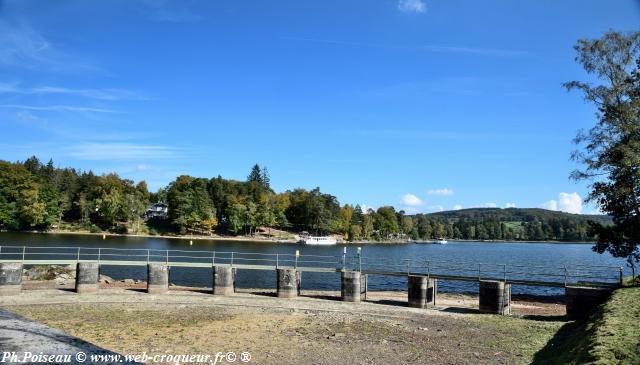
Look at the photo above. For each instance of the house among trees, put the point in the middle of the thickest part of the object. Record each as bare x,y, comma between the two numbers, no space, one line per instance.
157,211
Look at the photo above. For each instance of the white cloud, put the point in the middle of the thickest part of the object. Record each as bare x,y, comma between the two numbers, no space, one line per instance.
23,46
99,94
424,47
440,192
570,203
490,205
146,168
412,6
120,151
457,207
510,205
59,108
550,205
435,208
410,210
365,208
567,202
411,200
474,51
26,117
169,11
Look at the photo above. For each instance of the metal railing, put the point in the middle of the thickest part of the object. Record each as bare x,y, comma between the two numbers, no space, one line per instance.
439,269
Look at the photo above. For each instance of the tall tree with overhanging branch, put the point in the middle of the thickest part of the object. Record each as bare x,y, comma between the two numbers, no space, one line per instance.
610,153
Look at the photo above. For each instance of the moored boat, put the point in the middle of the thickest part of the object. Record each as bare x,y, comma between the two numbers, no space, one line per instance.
317,240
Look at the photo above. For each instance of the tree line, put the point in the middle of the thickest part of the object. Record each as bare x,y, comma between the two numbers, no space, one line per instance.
37,196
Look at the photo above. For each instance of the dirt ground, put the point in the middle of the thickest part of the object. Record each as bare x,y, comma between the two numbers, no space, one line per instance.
314,329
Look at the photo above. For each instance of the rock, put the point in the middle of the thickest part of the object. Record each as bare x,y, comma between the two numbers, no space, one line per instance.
106,279
49,272
61,281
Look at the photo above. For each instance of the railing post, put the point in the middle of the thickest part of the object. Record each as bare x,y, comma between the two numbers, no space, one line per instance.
408,266
24,251
277,260
148,255
344,258
621,277
295,265
77,258
479,276
167,257
231,258
99,252
565,276
213,258
360,259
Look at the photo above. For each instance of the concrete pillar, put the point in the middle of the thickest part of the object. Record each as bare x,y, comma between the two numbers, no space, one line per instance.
224,280
351,286
422,291
582,301
157,278
87,277
10,278
288,283
495,297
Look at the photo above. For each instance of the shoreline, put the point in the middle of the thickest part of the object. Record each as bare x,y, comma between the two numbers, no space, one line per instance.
257,239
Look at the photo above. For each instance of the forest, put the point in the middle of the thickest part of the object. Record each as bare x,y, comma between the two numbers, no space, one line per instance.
38,197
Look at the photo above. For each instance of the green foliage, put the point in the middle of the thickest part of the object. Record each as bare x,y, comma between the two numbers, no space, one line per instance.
37,196
386,222
191,208
313,211
513,224
610,154
609,337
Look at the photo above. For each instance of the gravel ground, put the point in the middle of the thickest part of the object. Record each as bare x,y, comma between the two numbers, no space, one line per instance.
313,329
19,336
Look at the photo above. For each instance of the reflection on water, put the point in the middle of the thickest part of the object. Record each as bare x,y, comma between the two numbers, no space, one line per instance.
545,255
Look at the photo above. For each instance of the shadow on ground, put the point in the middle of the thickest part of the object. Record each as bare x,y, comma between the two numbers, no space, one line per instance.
570,345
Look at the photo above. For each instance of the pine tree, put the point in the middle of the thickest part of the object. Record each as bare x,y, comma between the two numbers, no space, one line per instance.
266,179
255,175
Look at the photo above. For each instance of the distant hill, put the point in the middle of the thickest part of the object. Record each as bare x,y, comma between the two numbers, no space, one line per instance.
524,224
518,214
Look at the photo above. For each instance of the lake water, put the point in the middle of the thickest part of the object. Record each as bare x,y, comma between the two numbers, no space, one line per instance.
545,257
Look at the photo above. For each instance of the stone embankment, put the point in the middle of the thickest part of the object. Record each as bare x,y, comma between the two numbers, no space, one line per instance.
62,275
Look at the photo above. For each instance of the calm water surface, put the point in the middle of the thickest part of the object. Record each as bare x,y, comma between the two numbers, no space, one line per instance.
546,255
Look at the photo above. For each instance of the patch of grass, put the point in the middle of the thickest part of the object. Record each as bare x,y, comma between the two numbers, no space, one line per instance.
522,337
610,336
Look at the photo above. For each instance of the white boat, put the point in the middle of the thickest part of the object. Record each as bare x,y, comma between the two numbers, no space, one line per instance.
441,241
317,240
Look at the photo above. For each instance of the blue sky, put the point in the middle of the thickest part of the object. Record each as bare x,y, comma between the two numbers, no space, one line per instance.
421,104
